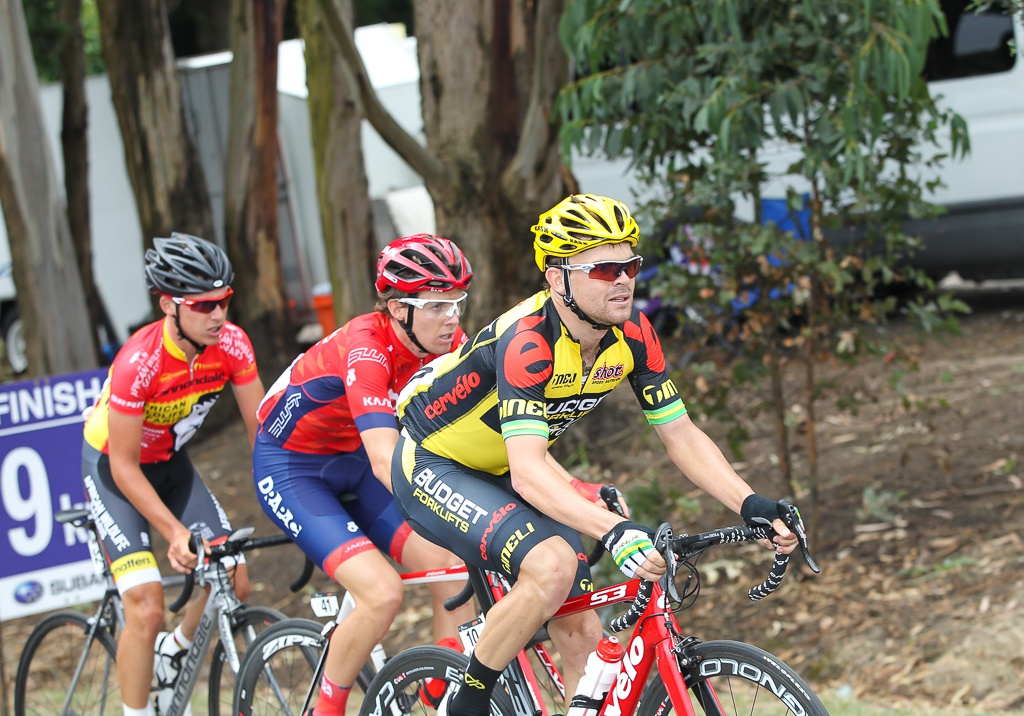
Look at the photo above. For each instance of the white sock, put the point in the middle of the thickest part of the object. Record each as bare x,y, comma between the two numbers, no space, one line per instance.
179,636
146,711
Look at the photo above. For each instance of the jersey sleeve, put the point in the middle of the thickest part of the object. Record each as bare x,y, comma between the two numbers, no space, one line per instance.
524,362
239,355
367,379
131,380
649,379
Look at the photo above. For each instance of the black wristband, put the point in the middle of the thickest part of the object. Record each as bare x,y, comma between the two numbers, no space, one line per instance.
757,510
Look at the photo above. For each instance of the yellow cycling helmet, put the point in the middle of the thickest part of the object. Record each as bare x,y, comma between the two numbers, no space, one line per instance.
580,222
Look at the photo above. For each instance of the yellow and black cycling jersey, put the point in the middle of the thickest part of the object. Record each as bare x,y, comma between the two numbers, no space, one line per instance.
523,375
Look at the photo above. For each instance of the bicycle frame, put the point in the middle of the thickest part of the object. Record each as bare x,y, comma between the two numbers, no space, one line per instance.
653,645
221,605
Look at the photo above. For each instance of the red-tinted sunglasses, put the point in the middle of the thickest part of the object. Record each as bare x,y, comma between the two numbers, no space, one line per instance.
609,270
206,305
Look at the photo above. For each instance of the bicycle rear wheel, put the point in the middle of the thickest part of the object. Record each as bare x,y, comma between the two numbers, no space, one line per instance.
249,623
48,664
727,678
398,689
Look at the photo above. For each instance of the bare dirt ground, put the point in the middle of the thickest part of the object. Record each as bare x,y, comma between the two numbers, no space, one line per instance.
921,521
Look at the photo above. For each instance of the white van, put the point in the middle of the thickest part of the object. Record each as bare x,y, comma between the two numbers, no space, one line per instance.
975,73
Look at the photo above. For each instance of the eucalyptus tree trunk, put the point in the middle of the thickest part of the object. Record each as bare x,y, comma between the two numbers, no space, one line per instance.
489,75
75,148
58,334
342,187
487,111
251,206
163,166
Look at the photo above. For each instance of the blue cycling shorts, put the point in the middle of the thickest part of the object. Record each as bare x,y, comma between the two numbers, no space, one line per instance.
332,506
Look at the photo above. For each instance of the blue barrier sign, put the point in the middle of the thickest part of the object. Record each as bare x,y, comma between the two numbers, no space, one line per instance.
44,565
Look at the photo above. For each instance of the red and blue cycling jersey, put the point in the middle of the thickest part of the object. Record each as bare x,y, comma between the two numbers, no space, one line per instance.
310,469
346,383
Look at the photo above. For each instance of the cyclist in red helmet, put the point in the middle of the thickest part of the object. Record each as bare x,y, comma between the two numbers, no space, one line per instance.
327,430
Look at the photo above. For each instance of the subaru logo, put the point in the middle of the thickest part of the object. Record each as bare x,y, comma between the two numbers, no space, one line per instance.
28,592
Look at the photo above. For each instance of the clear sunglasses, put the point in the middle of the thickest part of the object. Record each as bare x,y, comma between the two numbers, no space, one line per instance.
438,307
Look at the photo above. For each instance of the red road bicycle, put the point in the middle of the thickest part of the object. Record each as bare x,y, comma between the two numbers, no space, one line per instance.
663,669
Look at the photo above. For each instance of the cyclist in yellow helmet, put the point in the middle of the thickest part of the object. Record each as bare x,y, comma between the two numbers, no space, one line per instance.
472,470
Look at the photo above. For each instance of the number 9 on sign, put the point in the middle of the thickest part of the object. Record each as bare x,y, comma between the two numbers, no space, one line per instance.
32,506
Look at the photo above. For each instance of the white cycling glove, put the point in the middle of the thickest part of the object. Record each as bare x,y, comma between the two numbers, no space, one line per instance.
629,544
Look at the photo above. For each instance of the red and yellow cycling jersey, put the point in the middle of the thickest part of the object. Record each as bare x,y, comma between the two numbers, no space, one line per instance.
523,375
151,377
346,383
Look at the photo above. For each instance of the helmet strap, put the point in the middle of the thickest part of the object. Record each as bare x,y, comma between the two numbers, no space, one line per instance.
570,303
407,326
181,334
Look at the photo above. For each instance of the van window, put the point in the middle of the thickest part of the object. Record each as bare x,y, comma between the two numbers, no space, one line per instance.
978,44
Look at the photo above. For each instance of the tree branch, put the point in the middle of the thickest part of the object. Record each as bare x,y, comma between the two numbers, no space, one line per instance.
423,162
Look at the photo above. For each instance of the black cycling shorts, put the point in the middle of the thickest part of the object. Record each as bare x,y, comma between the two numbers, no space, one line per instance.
474,514
124,532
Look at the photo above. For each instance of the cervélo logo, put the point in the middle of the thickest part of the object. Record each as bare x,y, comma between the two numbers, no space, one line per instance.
462,388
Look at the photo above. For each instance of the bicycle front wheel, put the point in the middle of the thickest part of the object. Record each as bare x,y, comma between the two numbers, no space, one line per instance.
727,678
418,680
55,650
281,671
249,623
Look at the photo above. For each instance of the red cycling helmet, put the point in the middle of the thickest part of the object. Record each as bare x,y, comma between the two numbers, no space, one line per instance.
422,262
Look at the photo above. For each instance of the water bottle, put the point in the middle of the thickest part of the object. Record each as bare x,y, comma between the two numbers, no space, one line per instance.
602,666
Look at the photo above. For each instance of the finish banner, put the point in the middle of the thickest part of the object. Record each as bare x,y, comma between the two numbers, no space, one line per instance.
44,565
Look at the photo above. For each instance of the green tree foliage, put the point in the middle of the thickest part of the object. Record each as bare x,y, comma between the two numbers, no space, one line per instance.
717,103
46,32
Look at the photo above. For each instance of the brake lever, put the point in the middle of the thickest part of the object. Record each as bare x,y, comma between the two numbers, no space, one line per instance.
663,543
791,516
195,545
610,495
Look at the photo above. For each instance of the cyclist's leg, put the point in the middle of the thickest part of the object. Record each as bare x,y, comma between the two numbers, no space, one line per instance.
420,555
376,589
577,635
143,618
125,543
375,509
481,520
302,493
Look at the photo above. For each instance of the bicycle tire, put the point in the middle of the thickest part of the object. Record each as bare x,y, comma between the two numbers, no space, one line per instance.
745,679
396,689
280,667
49,660
249,623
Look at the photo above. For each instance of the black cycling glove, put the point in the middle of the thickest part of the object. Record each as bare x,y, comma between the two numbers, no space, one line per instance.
759,511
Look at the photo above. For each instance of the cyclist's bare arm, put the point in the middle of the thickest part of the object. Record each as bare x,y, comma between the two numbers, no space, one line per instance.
125,450
380,446
703,463
544,487
537,482
248,397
